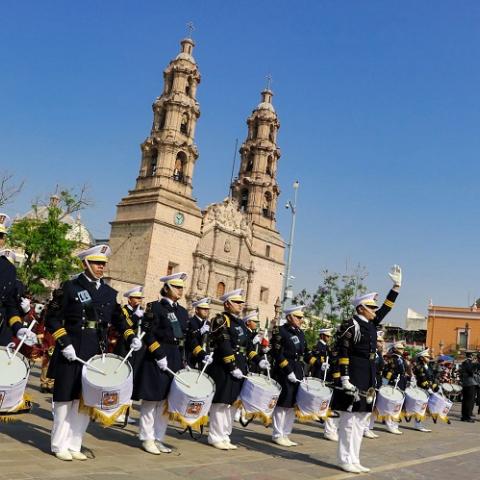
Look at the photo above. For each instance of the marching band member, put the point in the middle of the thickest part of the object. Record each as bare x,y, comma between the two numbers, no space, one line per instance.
133,313
166,324
289,350
423,378
231,349
468,370
10,319
323,354
78,319
199,326
395,373
355,348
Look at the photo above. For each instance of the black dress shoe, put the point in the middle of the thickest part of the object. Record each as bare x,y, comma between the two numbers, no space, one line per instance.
469,420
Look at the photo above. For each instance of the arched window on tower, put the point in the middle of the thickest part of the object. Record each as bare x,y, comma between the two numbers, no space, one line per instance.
255,130
244,200
270,166
188,87
161,119
250,159
179,169
184,124
152,168
220,289
267,205
271,134
169,83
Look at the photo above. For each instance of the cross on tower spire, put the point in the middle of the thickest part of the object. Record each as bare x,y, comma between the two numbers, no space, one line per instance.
190,29
269,81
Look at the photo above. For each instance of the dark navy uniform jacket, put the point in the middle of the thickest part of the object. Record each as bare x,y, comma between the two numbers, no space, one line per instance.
289,350
166,327
10,319
196,342
394,367
232,348
321,352
355,350
81,319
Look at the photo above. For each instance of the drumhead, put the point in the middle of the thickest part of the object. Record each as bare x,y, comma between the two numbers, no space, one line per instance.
457,388
108,365
446,387
14,372
416,394
315,385
203,388
263,381
391,393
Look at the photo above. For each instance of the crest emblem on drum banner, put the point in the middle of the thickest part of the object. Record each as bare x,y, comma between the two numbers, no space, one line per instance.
2,396
273,403
109,400
194,408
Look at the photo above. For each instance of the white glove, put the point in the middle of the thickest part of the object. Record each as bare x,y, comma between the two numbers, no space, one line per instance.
324,367
257,339
25,304
31,337
69,353
264,364
208,359
237,373
205,328
139,312
162,363
292,378
136,344
396,275
430,391
347,385
413,382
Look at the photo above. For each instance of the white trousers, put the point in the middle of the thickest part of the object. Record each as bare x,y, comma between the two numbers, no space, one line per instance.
350,433
282,420
331,426
153,422
69,427
370,423
220,422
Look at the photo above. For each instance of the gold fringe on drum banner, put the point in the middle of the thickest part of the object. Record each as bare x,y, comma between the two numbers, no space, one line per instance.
436,417
177,417
266,420
105,418
304,418
409,415
23,407
382,418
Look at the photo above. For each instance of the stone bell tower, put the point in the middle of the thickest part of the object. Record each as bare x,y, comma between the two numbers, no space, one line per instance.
256,188
157,224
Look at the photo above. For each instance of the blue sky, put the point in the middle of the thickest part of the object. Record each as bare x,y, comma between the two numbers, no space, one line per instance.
378,101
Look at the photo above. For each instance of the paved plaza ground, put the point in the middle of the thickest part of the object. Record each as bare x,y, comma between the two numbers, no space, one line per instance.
450,451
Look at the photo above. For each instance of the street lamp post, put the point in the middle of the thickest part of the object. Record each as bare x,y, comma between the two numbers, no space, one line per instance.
287,288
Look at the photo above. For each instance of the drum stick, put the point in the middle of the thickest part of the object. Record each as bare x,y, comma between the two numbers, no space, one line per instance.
183,382
91,367
268,370
22,341
327,366
128,354
202,372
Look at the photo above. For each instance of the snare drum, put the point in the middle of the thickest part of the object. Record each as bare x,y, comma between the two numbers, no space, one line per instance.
447,388
439,406
109,395
416,401
259,396
190,405
13,381
456,388
313,400
389,402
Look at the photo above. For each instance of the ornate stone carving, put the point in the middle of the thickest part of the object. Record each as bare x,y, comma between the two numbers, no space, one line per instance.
228,216
202,277
227,247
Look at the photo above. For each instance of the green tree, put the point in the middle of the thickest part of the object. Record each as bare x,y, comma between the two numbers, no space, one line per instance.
331,303
44,239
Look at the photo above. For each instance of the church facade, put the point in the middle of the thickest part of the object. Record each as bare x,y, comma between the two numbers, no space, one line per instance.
159,228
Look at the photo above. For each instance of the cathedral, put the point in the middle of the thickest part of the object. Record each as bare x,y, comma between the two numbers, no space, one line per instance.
159,228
